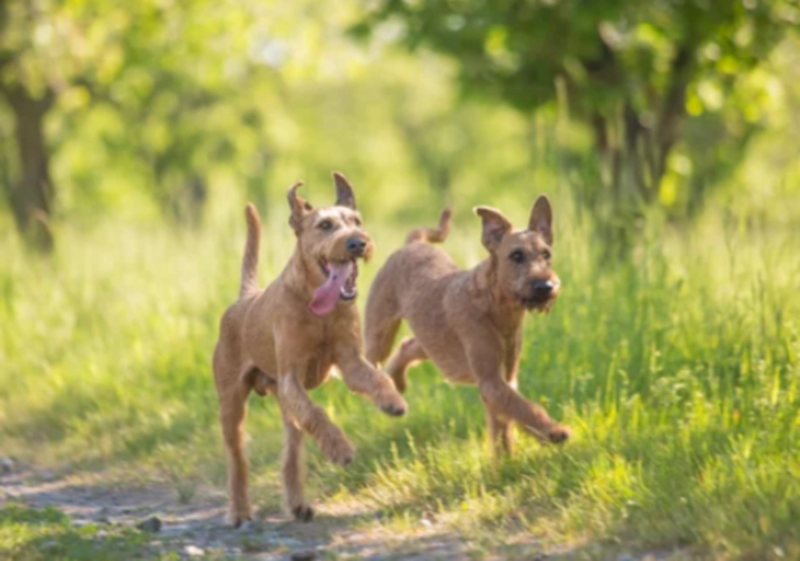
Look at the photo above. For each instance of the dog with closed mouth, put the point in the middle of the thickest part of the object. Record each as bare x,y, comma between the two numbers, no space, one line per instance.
285,339
469,323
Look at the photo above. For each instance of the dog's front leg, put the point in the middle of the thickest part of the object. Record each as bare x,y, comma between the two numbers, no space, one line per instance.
500,435
485,355
297,405
362,378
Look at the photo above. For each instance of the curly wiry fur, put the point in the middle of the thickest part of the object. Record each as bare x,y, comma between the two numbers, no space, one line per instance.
272,342
469,322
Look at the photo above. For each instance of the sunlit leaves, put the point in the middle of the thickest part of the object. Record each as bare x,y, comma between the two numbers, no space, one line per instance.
652,60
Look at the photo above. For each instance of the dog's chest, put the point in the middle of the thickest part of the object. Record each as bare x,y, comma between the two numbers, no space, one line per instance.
318,370
320,358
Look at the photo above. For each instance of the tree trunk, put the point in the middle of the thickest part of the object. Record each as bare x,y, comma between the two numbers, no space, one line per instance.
31,196
632,151
615,205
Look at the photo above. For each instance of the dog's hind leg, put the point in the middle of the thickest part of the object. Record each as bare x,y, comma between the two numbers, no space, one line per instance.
294,470
232,413
409,353
382,319
379,336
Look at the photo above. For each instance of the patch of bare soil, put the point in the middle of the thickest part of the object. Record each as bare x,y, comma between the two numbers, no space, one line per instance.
198,528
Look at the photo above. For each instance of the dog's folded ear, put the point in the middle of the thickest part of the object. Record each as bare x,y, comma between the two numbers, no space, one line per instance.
541,219
495,226
299,207
344,191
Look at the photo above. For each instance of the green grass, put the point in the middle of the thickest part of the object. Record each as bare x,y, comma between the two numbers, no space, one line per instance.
31,535
679,373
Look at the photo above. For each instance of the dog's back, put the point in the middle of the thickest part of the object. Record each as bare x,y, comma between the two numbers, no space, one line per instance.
411,285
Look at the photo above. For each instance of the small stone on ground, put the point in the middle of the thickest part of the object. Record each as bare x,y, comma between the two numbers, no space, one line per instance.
152,524
193,551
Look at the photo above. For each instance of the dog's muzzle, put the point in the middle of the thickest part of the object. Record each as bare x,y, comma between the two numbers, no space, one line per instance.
356,247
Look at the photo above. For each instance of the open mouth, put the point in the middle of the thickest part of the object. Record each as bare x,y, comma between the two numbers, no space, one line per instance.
340,284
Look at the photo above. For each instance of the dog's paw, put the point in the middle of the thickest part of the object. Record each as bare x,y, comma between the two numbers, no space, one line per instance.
396,406
337,448
559,434
248,527
395,410
303,513
241,522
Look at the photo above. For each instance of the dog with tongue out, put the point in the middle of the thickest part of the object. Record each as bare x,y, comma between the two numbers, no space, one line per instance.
285,340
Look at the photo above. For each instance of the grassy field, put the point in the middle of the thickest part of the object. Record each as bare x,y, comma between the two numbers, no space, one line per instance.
679,373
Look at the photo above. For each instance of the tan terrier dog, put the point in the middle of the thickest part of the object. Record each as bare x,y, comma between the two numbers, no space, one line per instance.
285,339
469,322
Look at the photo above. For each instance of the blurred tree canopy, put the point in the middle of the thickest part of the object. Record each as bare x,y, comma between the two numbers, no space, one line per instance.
154,108
155,68
631,70
169,101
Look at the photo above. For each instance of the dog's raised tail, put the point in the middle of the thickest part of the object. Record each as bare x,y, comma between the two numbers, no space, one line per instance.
432,235
250,259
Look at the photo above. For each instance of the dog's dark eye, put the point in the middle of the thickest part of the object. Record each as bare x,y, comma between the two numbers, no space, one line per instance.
326,225
546,254
357,222
517,256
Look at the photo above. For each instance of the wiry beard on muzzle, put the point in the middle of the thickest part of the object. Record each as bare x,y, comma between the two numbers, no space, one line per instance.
537,305
543,308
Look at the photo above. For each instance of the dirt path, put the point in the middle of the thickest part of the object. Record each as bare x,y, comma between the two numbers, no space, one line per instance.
198,529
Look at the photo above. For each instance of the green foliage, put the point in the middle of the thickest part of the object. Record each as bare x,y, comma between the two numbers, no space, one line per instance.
157,109
155,71
629,71
605,51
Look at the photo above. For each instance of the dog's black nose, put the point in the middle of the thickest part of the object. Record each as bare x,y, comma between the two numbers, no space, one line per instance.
542,289
355,246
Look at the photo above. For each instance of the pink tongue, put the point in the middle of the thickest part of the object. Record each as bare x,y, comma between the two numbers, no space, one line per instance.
327,295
